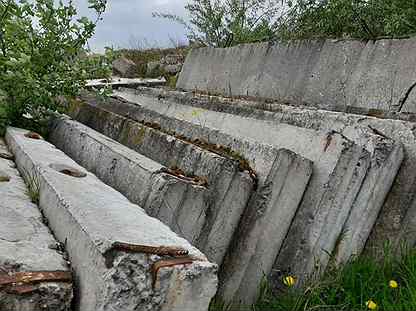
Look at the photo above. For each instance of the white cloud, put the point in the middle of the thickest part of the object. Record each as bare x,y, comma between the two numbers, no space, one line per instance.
128,21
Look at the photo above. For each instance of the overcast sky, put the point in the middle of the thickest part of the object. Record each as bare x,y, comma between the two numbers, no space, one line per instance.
128,23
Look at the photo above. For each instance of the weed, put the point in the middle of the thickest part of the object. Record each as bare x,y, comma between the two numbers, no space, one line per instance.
388,284
32,180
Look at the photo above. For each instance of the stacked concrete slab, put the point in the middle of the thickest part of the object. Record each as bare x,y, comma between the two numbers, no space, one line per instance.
330,74
33,275
385,158
177,201
230,188
328,202
118,253
396,221
270,211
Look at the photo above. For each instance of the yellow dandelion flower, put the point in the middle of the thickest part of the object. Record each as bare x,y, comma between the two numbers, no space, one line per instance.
393,284
371,305
289,281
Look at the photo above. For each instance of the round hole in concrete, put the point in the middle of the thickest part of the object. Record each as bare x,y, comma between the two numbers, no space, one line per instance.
68,170
33,135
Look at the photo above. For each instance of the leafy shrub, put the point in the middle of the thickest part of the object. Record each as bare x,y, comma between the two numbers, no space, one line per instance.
366,19
40,45
225,23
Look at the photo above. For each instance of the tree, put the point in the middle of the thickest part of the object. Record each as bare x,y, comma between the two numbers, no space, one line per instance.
223,23
40,46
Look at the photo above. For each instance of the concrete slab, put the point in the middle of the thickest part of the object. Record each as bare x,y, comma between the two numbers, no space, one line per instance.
179,202
117,251
329,74
263,229
230,188
27,246
126,82
383,138
340,167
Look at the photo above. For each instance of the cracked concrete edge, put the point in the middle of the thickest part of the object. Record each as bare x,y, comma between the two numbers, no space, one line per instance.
224,178
140,179
90,217
394,222
27,245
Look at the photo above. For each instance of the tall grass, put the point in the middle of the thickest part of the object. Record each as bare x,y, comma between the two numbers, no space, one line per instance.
350,287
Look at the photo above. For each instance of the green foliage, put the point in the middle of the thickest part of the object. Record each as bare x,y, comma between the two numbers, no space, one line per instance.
32,180
350,287
40,45
230,22
366,19
98,66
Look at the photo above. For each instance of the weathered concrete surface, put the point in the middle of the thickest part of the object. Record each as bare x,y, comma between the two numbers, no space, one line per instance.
230,188
395,222
340,167
93,219
26,245
263,229
330,74
179,203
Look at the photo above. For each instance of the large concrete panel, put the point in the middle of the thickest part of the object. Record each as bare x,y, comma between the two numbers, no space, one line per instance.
180,203
117,251
330,74
385,139
229,187
263,229
28,247
339,168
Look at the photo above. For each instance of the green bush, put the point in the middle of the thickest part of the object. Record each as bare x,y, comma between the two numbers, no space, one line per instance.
40,46
225,23
362,19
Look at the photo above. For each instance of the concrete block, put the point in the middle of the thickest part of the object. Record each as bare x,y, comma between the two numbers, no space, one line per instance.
383,138
263,229
28,250
180,203
329,74
117,251
229,187
340,167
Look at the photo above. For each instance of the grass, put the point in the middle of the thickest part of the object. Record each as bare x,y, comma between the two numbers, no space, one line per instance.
33,185
349,287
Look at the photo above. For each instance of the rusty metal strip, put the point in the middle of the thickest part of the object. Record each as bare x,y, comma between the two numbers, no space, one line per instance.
159,250
164,263
196,180
24,278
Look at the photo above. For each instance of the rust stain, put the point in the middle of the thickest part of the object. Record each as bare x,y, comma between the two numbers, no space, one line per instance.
328,141
159,250
33,135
